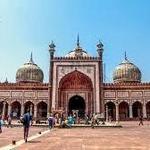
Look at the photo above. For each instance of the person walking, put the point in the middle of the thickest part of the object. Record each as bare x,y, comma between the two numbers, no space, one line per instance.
51,121
141,120
9,120
26,123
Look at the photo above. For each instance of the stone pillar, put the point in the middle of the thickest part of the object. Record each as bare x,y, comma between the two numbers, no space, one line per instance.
48,113
107,113
31,109
4,109
22,109
130,111
144,110
35,111
9,109
117,112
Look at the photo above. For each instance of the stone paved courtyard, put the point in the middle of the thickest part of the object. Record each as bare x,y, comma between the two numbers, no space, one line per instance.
15,133
130,137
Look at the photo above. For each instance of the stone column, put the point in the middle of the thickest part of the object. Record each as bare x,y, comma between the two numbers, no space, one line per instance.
144,110
48,113
117,112
9,109
106,113
130,111
35,111
22,109
4,109
31,109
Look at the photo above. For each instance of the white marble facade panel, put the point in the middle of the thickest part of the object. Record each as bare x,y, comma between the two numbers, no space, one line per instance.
122,94
146,93
136,94
41,94
108,94
17,93
5,94
29,93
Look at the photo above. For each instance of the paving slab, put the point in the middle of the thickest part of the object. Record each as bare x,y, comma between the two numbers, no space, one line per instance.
130,137
16,133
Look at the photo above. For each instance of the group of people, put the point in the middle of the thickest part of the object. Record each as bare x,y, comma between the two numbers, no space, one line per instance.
63,120
68,121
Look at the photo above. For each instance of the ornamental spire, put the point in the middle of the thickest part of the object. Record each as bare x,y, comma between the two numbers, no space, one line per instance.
78,41
31,58
125,56
6,80
52,49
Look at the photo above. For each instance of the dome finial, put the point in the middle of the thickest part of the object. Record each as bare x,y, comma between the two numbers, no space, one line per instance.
78,41
6,80
31,58
125,55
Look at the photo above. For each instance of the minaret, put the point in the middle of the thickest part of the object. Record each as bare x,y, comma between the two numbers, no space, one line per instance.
100,56
100,50
52,49
51,52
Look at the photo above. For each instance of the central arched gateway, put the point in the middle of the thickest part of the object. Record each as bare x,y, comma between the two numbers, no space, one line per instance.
75,92
77,103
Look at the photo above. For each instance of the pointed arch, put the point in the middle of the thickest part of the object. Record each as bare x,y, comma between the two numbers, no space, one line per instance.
137,109
41,110
75,80
29,105
148,109
123,110
111,110
15,109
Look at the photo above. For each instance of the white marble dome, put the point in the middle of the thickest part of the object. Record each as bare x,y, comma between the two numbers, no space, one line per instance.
29,72
75,54
126,72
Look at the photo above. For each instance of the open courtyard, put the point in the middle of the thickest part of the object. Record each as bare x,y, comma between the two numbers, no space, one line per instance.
131,136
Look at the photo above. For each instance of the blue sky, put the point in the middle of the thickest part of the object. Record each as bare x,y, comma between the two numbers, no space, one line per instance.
30,25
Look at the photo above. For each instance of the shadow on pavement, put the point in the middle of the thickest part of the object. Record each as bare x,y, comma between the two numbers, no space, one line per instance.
34,141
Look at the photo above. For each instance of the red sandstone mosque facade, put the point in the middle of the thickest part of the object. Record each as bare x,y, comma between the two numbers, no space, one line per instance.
76,84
